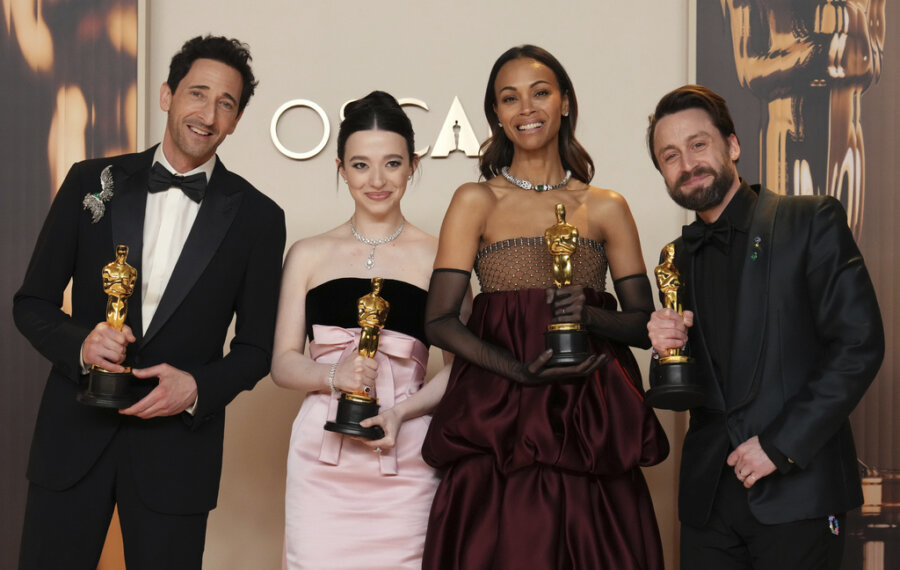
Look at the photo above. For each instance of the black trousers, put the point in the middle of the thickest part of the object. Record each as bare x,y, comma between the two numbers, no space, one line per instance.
733,539
67,529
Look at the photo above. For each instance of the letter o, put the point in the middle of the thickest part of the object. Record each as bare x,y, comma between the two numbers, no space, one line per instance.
326,129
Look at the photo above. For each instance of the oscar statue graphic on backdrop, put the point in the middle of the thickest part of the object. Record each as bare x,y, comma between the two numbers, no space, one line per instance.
672,381
809,64
569,341
107,389
354,407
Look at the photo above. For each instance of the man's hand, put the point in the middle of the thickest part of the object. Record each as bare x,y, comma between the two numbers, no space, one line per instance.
177,391
668,329
105,347
750,462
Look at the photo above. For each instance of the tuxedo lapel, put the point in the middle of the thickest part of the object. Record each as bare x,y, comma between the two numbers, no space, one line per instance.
127,211
752,306
217,211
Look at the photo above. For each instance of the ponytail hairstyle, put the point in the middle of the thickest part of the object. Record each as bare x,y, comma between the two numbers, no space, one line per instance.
376,111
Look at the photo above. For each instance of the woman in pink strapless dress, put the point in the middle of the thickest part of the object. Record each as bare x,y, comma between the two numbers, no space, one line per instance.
351,502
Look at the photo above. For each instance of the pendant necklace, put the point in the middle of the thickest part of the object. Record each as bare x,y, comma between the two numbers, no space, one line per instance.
527,185
370,263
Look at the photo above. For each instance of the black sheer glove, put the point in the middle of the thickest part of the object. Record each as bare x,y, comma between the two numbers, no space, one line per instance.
628,326
444,329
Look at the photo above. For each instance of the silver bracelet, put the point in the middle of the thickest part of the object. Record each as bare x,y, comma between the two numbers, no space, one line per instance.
331,378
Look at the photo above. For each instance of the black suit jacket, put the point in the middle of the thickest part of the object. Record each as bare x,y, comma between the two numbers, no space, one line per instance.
230,264
808,341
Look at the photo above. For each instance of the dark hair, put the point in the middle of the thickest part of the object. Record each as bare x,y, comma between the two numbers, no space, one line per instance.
231,52
497,151
376,111
691,97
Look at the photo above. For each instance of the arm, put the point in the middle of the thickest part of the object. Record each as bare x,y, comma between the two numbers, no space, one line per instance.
250,351
291,367
848,321
609,211
422,402
37,305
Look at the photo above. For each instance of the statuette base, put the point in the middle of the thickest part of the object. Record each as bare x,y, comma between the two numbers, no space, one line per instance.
351,410
106,389
673,387
570,346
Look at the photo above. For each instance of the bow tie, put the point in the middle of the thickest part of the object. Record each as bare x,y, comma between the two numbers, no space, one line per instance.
698,234
161,180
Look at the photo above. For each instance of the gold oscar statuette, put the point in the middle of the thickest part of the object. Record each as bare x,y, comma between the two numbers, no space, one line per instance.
672,381
372,312
107,389
569,341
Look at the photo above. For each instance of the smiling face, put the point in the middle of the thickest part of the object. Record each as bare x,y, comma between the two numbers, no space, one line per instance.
529,103
697,163
202,111
376,167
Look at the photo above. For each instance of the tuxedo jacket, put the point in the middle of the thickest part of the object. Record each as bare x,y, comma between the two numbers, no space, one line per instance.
230,265
808,340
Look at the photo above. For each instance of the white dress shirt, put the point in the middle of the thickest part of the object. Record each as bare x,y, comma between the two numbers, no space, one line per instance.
168,219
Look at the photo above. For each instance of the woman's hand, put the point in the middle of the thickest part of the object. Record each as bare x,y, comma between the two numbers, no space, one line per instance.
390,422
355,374
536,371
568,303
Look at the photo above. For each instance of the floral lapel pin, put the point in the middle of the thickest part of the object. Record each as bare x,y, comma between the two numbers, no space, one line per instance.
757,248
95,203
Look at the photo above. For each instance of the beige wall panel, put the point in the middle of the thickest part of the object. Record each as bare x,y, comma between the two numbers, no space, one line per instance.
622,56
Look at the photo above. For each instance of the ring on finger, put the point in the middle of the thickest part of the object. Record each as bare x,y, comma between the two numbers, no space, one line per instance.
377,450
367,389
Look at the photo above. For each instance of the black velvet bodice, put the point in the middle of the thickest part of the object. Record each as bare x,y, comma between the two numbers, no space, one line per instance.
334,303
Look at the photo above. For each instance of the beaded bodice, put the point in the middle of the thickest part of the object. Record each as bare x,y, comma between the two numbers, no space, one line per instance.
525,263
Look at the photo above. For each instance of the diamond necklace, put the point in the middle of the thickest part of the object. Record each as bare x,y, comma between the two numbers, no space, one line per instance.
527,185
370,263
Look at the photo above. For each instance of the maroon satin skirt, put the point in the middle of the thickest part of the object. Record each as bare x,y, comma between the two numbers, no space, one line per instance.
542,476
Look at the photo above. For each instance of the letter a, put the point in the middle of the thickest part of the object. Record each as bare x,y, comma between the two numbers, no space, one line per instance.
456,134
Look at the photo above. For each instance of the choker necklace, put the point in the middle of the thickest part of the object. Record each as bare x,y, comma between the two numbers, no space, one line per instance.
527,185
370,263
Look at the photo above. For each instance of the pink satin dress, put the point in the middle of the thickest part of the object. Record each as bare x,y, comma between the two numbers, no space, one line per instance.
345,506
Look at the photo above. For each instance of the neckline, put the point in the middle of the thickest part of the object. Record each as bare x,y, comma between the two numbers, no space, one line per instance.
366,280
512,240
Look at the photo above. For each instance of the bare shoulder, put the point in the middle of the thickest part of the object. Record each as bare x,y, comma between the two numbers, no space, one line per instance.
474,194
313,248
420,239
605,200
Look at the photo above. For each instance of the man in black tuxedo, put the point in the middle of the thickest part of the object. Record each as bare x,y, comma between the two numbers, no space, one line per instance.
782,321
206,247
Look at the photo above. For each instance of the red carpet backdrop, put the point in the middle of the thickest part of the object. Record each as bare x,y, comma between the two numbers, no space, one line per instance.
69,92
813,86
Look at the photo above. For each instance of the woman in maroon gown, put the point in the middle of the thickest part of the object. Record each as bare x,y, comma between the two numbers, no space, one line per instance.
541,465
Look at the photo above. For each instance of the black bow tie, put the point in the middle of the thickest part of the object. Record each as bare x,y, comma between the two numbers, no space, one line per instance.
161,180
698,234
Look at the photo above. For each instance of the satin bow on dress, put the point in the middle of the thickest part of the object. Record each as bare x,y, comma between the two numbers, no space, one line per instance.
398,354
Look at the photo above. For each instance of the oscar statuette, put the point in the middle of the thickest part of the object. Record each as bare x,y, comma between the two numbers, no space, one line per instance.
673,384
107,389
354,407
569,341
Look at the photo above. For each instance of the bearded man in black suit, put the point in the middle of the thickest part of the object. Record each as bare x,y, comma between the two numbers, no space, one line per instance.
206,248
782,321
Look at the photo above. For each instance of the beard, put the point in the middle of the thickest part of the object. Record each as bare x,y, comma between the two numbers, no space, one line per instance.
707,197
